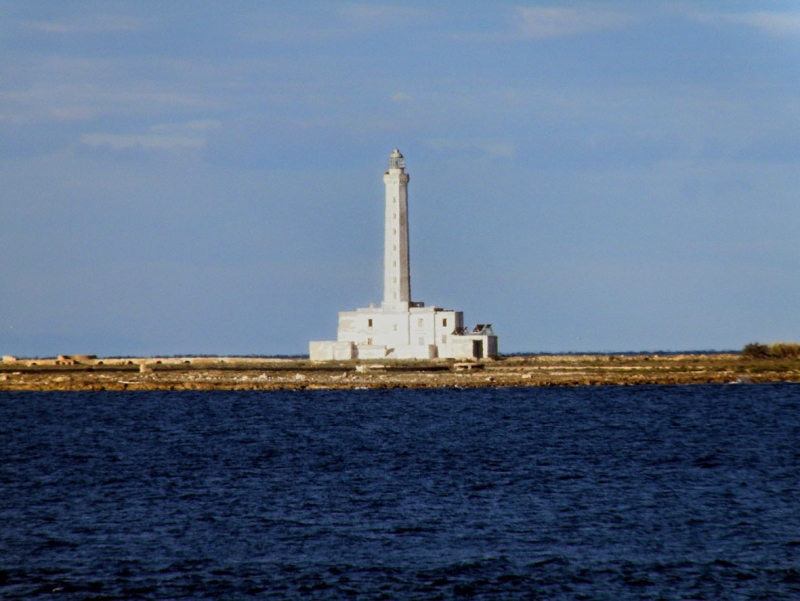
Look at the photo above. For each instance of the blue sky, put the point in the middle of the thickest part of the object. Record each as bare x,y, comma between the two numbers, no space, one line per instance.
185,177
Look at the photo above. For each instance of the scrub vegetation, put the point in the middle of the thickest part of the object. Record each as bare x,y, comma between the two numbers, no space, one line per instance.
775,350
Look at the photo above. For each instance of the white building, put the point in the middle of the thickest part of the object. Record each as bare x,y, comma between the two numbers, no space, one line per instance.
401,328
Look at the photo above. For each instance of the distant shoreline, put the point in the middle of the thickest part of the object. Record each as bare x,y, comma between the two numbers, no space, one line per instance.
86,372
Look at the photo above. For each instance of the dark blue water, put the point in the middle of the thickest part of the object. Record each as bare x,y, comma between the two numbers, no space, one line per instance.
650,492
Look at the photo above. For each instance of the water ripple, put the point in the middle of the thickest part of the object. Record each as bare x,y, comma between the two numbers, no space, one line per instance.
656,492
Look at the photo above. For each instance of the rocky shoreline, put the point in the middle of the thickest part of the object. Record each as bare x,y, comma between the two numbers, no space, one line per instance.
246,373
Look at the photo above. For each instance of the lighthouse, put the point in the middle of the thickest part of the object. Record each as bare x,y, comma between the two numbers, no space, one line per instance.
401,328
396,272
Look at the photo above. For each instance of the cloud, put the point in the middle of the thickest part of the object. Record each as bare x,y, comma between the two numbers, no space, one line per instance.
489,148
770,23
401,97
91,24
370,15
550,22
328,23
144,141
71,102
66,88
270,141
169,137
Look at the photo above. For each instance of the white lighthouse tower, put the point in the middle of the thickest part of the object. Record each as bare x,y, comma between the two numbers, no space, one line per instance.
396,270
401,328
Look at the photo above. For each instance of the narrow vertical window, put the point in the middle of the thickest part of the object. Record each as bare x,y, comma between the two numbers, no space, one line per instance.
369,323
420,322
444,322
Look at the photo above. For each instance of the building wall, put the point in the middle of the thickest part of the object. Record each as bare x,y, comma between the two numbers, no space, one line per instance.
456,347
331,350
414,351
418,326
374,326
463,347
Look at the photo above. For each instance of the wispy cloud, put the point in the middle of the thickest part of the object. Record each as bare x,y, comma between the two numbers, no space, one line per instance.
330,22
401,97
169,136
492,148
91,24
370,15
69,88
778,24
549,22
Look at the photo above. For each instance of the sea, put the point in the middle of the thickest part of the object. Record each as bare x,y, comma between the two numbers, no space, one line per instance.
618,492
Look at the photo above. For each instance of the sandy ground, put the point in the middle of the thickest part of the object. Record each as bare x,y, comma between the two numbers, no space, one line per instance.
237,373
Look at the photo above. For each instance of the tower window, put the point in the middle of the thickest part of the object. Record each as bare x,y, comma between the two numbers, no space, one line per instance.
369,323
420,322
444,338
444,323
369,341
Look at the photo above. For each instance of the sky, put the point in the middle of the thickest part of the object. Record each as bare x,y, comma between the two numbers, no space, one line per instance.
206,178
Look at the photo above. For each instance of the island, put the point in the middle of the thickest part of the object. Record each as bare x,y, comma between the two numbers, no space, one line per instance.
88,372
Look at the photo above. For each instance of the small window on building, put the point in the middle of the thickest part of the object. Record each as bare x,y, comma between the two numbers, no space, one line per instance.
394,263
369,323
444,322
420,322
369,341
394,231
444,338
395,327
